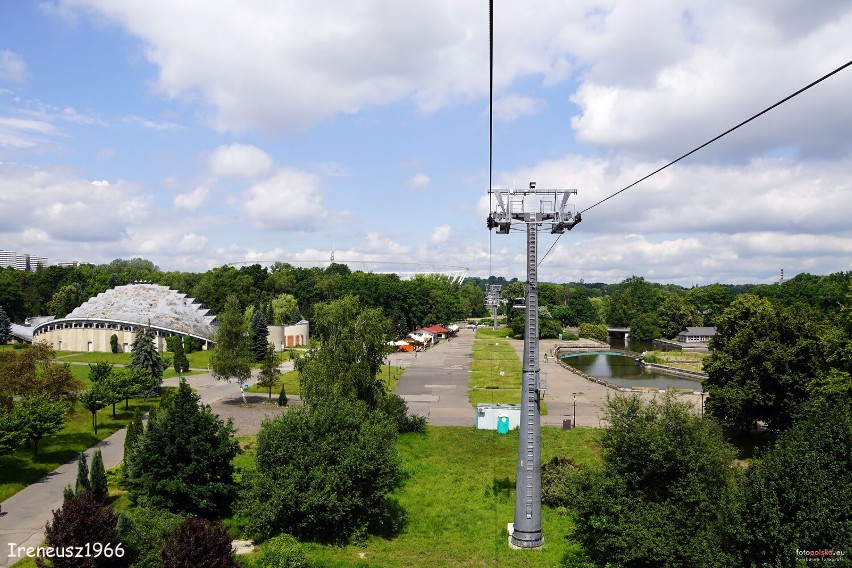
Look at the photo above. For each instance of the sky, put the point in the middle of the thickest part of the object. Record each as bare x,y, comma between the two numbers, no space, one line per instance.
198,133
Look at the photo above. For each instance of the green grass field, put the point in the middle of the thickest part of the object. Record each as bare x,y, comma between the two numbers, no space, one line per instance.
458,497
197,360
679,359
291,381
492,355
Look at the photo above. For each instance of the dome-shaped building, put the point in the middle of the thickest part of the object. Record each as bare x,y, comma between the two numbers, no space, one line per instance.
121,311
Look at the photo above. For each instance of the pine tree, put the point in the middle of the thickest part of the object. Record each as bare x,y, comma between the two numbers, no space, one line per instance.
145,355
181,363
282,397
134,430
67,494
259,335
97,477
82,474
113,343
5,327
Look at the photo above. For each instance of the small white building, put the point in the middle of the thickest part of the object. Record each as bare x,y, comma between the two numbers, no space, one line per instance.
284,336
696,335
488,415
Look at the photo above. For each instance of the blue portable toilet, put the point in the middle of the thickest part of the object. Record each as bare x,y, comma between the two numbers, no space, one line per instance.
502,424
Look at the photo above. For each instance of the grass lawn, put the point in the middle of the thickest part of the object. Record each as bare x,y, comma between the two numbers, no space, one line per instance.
291,381
18,470
488,333
679,359
458,496
197,359
490,357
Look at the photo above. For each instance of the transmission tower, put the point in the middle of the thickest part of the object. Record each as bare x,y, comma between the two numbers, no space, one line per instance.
492,300
551,214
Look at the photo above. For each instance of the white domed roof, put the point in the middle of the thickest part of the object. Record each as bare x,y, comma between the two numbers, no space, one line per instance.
151,305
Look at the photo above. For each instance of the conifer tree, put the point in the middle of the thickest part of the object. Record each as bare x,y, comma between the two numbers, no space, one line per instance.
134,431
97,477
82,474
5,327
145,355
181,363
259,335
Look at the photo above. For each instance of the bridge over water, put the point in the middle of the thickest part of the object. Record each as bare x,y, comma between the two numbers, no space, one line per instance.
575,351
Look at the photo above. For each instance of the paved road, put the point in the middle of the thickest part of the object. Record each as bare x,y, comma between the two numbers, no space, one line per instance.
25,513
435,381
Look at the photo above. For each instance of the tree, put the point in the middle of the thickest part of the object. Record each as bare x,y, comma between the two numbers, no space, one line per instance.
113,343
664,495
632,297
11,435
799,492
99,371
675,315
198,542
644,327
348,356
97,477
134,431
129,382
95,399
182,462
268,370
356,455
64,301
5,327
285,309
593,331
282,396
259,335
82,522
231,359
83,483
145,356
181,363
40,417
761,363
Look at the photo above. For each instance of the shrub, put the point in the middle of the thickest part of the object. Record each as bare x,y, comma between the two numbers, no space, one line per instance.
142,531
283,551
113,343
593,331
323,472
198,542
397,410
82,521
559,479
97,477
282,397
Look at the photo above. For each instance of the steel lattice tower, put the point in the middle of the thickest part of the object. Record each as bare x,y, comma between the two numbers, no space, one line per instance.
551,214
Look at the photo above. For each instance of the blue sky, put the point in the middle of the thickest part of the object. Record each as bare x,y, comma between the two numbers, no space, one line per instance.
199,133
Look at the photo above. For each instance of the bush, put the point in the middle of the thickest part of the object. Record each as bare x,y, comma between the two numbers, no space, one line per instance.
142,531
397,410
82,521
282,396
593,331
549,328
283,551
113,343
198,542
570,337
98,478
323,472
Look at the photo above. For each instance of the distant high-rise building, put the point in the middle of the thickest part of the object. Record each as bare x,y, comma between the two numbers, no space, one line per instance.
26,261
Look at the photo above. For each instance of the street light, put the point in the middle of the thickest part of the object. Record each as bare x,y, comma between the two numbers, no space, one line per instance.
575,408
702,404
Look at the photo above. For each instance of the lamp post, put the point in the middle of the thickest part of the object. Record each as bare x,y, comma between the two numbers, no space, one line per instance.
702,404
575,408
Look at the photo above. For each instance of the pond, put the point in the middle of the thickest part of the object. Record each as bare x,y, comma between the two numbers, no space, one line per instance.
623,371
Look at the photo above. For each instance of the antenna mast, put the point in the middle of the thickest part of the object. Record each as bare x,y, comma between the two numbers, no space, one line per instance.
551,214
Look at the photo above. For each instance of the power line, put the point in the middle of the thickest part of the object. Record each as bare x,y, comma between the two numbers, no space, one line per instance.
696,149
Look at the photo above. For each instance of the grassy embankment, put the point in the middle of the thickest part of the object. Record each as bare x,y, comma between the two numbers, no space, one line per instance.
687,360
457,498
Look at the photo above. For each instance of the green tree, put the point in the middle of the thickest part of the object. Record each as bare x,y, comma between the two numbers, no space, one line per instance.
664,495
82,521
634,296
761,363
97,477
268,370
259,335
83,483
285,309
356,454
644,327
134,431
348,356
232,358
797,495
145,356
282,396
593,331
94,399
198,542
40,417
181,363
11,434
182,462
113,343
5,327
64,301
710,301
129,382
675,315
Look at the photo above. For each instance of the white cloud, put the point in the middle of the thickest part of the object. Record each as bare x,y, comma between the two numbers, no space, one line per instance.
419,181
288,201
192,243
441,234
192,200
12,67
239,161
